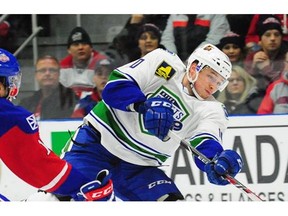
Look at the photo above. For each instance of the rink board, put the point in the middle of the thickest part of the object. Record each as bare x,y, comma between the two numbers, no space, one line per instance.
262,141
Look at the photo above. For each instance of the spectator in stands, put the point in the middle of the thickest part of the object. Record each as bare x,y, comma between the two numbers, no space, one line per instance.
267,63
126,42
239,23
234,97
276,97
183,33
252,38
232,45
6,40
148,39
116,52
77,69
52,100
159,20
102,71
4,29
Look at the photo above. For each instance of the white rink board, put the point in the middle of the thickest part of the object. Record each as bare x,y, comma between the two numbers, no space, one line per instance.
262,141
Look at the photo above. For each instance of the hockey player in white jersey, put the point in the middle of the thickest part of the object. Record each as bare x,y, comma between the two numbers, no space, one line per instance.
128,132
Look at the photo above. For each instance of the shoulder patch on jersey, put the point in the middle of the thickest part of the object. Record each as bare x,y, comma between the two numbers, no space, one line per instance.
165,71
32,122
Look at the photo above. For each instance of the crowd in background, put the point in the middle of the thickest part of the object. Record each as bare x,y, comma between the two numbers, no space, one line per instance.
257,46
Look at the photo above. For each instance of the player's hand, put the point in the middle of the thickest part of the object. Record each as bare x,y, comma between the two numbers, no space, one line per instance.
100,189
158,116
228,162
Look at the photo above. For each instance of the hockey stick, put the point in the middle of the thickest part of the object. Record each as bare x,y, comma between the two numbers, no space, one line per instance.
206,160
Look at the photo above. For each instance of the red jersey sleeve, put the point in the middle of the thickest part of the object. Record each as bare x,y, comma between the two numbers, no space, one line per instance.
23,152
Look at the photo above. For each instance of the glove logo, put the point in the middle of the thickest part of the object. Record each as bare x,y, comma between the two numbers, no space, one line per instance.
102,193
165,71
161,103
99,193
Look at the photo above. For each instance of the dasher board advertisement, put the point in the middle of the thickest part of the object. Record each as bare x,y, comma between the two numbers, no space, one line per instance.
262,141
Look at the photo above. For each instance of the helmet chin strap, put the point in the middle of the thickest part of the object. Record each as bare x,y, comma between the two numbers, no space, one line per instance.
195,92
190,78
192,81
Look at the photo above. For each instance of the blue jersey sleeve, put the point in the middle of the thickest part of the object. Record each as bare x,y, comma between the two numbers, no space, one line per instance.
122,93
11,116
209,148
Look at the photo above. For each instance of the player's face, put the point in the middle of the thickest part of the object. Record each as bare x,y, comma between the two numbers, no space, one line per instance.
208,82
3,92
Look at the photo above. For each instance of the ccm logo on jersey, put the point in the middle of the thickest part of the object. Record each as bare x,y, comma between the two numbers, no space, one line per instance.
165,71
159,182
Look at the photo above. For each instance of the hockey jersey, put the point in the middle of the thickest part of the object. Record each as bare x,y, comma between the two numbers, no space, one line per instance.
158,74
23,152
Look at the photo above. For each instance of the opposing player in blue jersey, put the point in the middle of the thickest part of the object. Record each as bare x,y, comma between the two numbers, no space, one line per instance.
128,132
23,152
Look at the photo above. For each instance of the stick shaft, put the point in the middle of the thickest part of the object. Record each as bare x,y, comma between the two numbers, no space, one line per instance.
206,160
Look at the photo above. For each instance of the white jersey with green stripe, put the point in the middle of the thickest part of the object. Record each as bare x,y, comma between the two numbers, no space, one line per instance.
159,73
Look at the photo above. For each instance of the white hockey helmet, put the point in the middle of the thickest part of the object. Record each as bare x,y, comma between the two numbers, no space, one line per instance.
209,55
